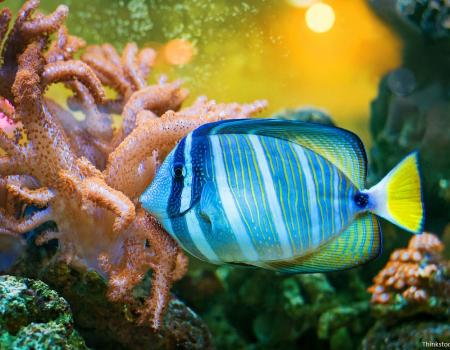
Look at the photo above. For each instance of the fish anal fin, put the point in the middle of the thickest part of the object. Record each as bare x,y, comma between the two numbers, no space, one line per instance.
358,244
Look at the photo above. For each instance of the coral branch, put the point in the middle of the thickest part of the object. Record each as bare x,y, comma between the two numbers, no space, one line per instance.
24,31
108,73
144,116
64,47
81,140
46,24
181,266
131,68
97,191
111,55
7,108
27,224
166,254
146,60
156,98
46,236
39,197
26,87
9,145
52,149
126,74
64,71
16,42
5,18
99,125
7,166
134,263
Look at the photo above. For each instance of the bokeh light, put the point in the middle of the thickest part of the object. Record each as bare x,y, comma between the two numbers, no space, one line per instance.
320,17
179,51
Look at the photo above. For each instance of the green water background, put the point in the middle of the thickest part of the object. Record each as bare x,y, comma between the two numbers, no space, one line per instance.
248,50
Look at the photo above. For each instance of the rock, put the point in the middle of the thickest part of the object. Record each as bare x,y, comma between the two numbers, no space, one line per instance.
11,247
259,309
32,316
306,114
407,336
226,335
341,339
412,109
432,17
106,325
348,317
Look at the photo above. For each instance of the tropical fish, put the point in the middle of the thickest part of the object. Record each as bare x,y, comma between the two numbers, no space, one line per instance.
278,194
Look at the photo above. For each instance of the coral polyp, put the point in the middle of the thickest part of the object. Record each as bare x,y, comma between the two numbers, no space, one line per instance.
83,174
416,279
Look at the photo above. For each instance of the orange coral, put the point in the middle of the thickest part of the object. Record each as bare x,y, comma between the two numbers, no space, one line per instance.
84,176
416,275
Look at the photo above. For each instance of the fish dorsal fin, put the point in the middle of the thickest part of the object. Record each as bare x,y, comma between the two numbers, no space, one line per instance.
340,147
358,244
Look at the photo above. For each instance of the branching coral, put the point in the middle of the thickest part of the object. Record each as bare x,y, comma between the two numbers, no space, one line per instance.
416,279
85,176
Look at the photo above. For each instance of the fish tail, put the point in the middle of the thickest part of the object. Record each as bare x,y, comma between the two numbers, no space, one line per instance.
398,196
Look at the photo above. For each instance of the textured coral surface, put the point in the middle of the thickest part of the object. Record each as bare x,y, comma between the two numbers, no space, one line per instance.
83,174
32,316
415,280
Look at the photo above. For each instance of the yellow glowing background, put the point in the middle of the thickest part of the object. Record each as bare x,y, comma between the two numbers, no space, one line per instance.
241,51
292,66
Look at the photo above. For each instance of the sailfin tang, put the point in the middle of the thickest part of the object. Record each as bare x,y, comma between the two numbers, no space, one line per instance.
398,196
358,244
341,147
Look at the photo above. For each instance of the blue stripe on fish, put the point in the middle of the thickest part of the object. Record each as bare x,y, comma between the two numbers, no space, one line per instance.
272,197
197,231
242,158
178,227
229,204
174,202
313,228
186,194
258,202
185,228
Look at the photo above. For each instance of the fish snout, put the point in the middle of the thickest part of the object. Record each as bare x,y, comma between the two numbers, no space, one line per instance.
154,201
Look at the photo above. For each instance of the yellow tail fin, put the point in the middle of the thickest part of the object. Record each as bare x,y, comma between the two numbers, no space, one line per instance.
398,196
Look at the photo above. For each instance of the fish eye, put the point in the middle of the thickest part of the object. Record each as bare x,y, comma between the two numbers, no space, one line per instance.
178,171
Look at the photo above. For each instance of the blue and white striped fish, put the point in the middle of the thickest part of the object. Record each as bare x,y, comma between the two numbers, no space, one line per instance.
278,194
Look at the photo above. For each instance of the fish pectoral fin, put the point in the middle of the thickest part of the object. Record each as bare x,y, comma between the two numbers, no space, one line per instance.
207,200
358,244
210,207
